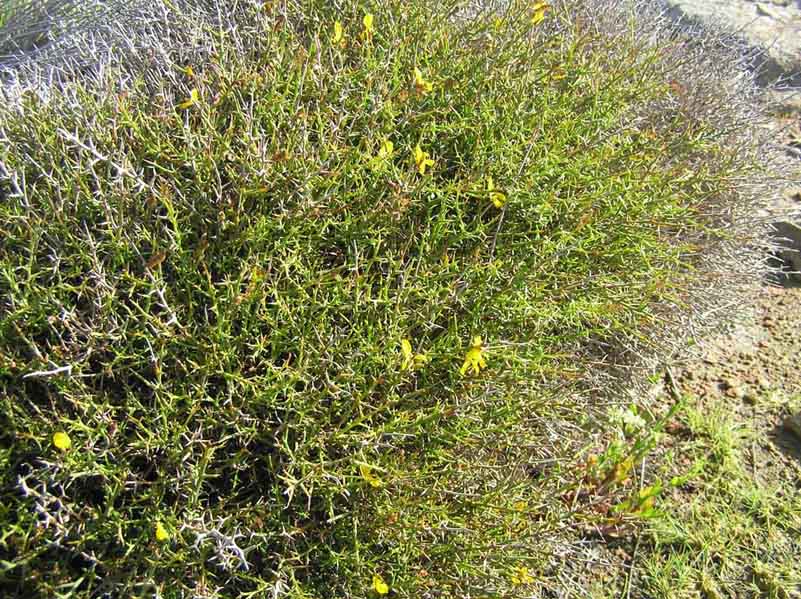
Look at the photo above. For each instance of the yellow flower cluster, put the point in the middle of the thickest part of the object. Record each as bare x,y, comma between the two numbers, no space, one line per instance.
368,28
474,359
422,159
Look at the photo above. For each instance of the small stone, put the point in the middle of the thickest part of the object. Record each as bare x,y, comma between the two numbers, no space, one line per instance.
622,554
794,195
736,392
793,425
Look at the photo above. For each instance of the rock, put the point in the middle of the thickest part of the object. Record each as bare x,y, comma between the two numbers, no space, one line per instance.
787,237
793,195
774,28
736,392
793,425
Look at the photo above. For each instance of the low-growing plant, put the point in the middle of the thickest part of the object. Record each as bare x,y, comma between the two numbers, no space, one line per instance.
312,299
729,527
609,497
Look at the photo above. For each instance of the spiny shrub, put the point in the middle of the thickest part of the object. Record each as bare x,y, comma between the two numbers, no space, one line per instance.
31,29
309,299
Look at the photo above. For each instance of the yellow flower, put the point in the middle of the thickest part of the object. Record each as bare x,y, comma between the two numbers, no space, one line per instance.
339,34
422,160
498,198
161,533
367,21
367,474
386,150
520,575
379,586
474,359
538,14
62,440
621,471
410,359
193,98
420,83
190,72
557,74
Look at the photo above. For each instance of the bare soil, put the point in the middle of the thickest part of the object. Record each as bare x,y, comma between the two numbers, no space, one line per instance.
755,368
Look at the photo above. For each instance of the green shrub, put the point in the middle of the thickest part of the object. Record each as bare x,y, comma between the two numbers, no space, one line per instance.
207,276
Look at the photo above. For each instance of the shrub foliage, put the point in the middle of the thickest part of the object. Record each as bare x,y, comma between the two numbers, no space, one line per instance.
244,281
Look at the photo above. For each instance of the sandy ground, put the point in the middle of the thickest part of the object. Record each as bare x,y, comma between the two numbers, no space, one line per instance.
755,367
